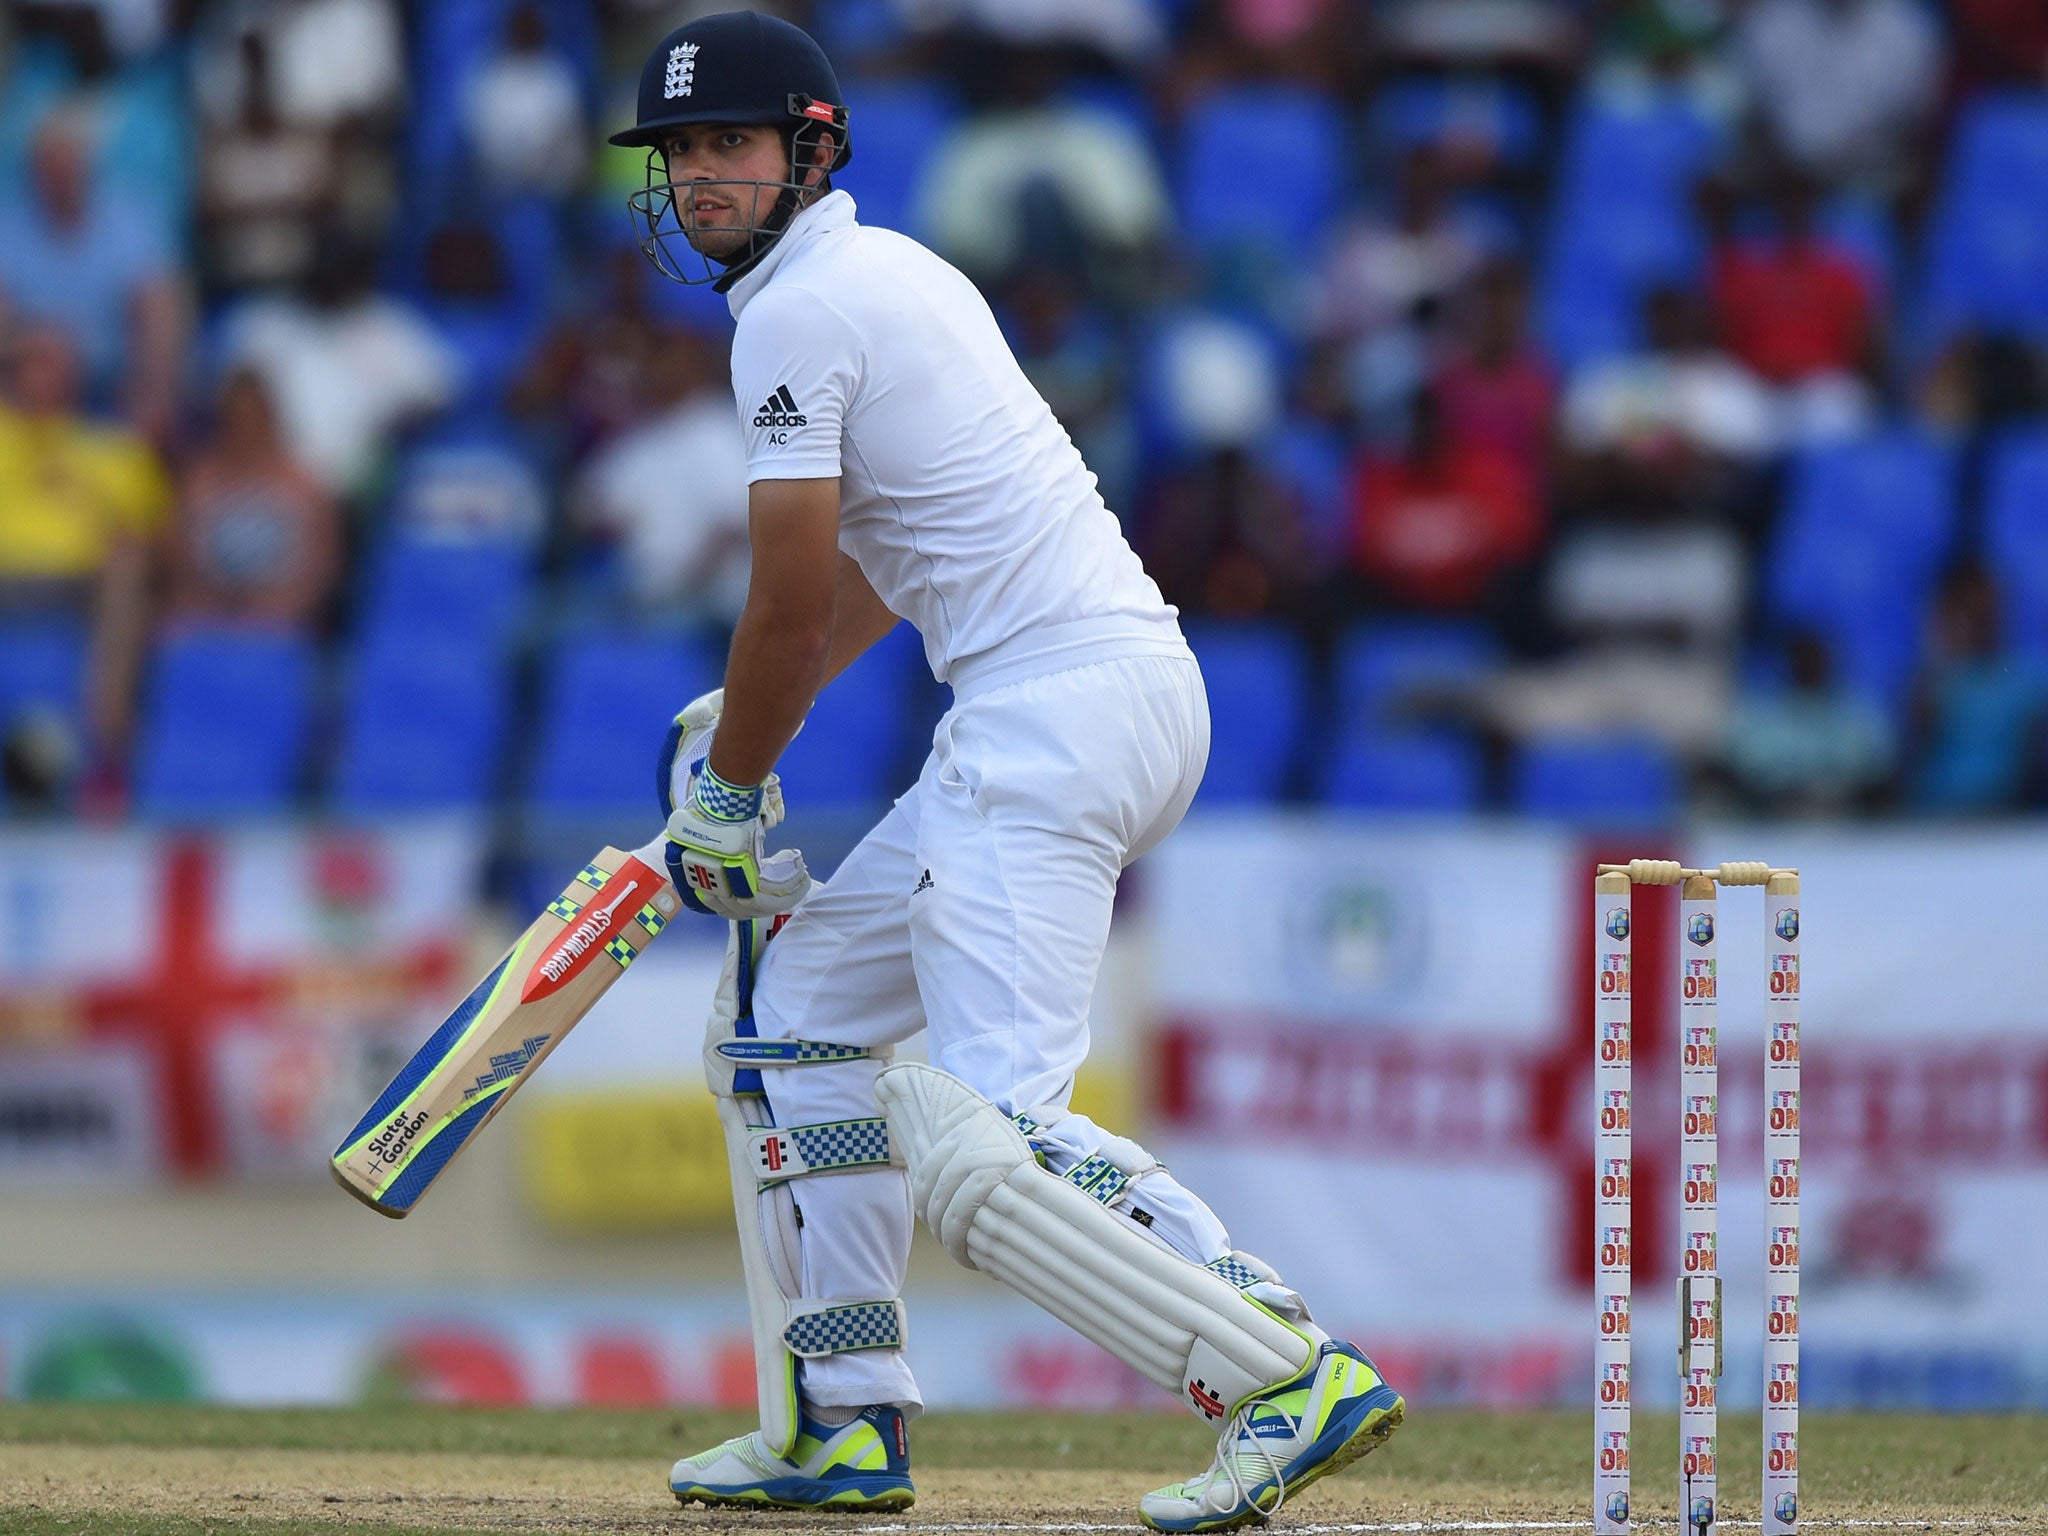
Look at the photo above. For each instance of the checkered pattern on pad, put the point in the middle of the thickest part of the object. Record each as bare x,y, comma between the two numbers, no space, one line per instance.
788,1053
566,908
842,1144
650,919
1098,1178
592,876
620,951
837,1330
810,1051
1236,1271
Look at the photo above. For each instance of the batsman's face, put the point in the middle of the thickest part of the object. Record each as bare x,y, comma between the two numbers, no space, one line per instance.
713,167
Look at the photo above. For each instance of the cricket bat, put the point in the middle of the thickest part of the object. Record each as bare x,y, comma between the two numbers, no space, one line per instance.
520,1011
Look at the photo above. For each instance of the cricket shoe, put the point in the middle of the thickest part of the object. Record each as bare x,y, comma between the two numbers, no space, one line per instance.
1281,1439
862,1465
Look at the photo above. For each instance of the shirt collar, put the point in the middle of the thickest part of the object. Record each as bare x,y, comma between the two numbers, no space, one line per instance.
832,211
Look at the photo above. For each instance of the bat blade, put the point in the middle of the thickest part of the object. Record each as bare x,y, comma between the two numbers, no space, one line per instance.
551,976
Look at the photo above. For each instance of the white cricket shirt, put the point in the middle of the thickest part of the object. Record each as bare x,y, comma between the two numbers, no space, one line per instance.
860,354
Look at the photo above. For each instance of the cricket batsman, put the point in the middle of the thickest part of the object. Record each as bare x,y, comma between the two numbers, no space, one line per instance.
902,467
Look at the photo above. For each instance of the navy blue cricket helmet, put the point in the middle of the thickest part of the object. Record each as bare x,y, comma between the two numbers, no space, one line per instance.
747,69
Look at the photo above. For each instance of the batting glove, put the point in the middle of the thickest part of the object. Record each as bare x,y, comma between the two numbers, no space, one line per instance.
717,853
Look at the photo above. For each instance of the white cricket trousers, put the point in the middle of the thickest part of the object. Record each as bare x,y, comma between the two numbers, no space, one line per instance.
978,909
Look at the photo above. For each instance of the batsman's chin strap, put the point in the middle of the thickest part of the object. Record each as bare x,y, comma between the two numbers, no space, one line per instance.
788,203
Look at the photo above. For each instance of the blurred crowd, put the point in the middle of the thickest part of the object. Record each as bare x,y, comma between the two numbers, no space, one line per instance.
1577,405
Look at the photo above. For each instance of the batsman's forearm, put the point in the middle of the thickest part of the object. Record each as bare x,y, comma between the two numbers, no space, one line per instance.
771,680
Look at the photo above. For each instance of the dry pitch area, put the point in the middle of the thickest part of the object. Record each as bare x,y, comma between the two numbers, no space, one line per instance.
172,1471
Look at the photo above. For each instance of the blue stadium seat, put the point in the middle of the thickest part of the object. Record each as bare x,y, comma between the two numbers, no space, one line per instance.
447,588
451,39
1899,484
854,749
1118,97
1621,224
490,344
472,477
1314,465
1606,253
1427,110
1987,261
1404,771
850,30
1641,240
1586,318
529,232
606,702
425,721
1654,150
1988,265
1613,780
1864,228
895,127
2001,141
42,666
1257,678
695,307
2016,533
1380,664
1865,529
226,723
1260,165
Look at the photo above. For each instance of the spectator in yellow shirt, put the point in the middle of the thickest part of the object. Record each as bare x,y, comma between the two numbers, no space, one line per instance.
81,507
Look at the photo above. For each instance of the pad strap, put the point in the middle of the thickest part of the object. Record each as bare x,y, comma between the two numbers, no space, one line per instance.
783,1152
1096,1177
755,1052
1236,1271
843,1329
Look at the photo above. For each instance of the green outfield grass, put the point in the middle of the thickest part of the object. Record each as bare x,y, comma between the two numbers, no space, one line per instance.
417,1469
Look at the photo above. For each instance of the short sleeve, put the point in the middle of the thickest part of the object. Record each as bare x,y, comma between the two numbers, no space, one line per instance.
796,364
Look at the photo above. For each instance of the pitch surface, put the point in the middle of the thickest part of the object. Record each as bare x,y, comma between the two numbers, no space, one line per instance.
176,1471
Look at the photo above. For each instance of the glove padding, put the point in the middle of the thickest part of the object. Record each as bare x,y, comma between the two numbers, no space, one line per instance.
716,840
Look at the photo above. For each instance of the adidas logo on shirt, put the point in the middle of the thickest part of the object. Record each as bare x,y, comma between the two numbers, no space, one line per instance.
779,410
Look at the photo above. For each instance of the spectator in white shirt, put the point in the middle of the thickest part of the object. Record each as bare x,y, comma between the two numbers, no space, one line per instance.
1845,85
522,112
1040,178
347,366
671,492
1673,423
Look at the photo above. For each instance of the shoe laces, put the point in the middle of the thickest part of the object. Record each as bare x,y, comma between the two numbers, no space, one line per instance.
1227,1457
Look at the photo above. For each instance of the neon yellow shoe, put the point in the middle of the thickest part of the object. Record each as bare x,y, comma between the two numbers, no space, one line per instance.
1280,1440
862,1465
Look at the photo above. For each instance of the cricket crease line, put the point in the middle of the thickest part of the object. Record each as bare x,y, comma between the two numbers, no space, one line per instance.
1989,1522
